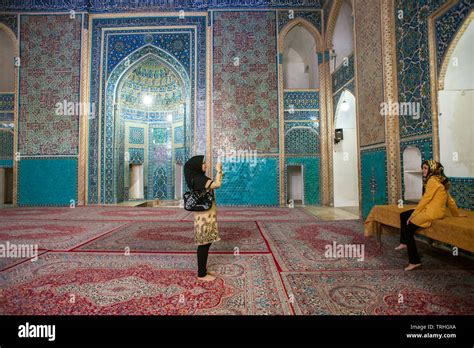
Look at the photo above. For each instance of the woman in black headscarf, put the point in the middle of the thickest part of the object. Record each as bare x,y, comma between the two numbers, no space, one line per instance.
205,222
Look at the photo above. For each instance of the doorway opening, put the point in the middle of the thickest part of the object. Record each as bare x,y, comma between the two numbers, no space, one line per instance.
295,184
136,181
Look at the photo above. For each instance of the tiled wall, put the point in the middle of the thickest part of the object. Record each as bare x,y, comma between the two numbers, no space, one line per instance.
47,181
374,179
6,149
414,75
250,184
7,106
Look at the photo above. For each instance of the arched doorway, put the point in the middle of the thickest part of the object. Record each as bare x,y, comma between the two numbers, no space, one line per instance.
345,156
300,66
299,45
455,107
7,113
345,153
147,111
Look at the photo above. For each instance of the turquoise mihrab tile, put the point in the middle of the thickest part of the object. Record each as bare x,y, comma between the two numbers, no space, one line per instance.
374,179
247,184
462,190
47,181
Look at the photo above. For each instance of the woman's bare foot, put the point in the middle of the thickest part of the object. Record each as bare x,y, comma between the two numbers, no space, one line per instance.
207,278
401,247
412,266
211,273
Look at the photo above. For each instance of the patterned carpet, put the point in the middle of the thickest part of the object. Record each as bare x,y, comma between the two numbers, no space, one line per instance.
179,236
100,283
303,246
127,214
53,235
95,213
281,268
6,262
380,292
261,214
34,213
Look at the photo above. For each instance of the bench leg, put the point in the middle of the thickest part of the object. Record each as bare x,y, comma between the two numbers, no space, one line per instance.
379,235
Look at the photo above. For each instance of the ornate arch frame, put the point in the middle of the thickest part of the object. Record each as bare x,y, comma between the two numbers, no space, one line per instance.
107,144
329,35
320,47
437,77
16,53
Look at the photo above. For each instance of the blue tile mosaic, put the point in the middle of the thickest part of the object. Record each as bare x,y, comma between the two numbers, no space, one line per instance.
462,190
313,17
136,135
301,138
374,179
101,6
197,53
343,74
11,21
137,156
301,100
413,62
179,135
47,181
448,25
6,145
7,102
296,115
246,184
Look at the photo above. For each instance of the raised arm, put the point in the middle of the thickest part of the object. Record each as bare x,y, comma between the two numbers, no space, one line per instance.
214,184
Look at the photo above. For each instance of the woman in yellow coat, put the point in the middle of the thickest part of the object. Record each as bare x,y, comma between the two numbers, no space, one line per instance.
431,207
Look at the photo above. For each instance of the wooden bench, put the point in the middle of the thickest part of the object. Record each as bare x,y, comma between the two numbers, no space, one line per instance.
455,231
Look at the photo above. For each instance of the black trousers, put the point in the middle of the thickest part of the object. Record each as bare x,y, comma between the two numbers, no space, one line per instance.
202,253
407,236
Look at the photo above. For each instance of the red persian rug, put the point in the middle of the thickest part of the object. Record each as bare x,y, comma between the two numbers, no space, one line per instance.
178,237
7,262
127,214
261,214
53,235
310,247
34,213
165,284
420,292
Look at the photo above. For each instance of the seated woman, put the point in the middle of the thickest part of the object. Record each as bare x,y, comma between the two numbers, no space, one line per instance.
431,207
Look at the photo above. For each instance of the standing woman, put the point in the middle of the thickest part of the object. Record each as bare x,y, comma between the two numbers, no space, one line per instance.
205,222
431,207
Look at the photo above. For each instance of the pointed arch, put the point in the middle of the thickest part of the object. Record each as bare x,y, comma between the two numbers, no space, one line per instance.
308,26
108,177
452,46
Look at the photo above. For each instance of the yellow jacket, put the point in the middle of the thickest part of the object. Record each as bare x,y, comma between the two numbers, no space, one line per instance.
433,204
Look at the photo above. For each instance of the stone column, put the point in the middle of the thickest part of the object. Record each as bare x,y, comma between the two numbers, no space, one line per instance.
392,129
